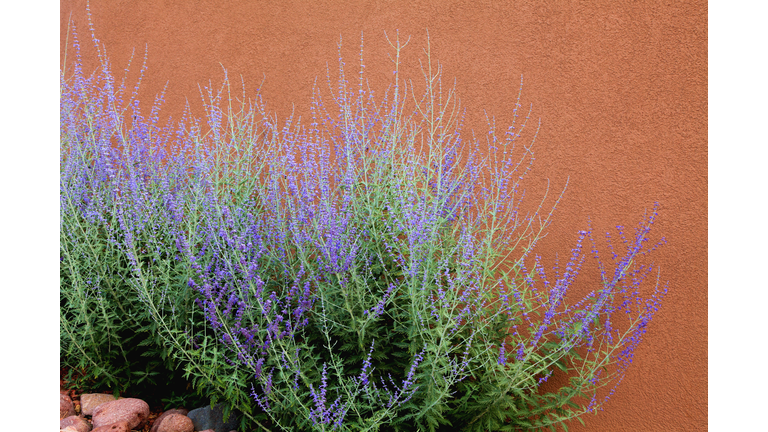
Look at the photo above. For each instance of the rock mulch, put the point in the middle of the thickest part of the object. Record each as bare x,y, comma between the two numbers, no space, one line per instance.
104,413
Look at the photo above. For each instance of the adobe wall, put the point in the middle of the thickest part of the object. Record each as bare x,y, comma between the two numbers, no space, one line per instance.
620,88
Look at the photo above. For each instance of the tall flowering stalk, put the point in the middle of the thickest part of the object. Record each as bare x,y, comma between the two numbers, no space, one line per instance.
367,269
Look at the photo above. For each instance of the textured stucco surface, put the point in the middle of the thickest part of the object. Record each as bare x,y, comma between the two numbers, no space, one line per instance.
620,88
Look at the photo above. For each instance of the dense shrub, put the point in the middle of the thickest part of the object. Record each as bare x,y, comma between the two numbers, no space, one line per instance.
371,269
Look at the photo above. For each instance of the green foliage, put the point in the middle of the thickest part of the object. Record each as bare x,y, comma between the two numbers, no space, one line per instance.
106,332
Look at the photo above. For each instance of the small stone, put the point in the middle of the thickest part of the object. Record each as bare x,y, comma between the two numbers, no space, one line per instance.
207,418
66,407
121,426
159,420
78,423
89,402
176,423
131,410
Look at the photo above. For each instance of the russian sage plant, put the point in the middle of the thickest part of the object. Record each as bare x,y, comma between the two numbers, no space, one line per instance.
368,268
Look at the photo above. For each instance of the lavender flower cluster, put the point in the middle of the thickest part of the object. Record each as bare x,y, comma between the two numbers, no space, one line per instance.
372,268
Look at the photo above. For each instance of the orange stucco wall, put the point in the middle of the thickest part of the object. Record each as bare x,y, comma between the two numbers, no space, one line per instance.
620,87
